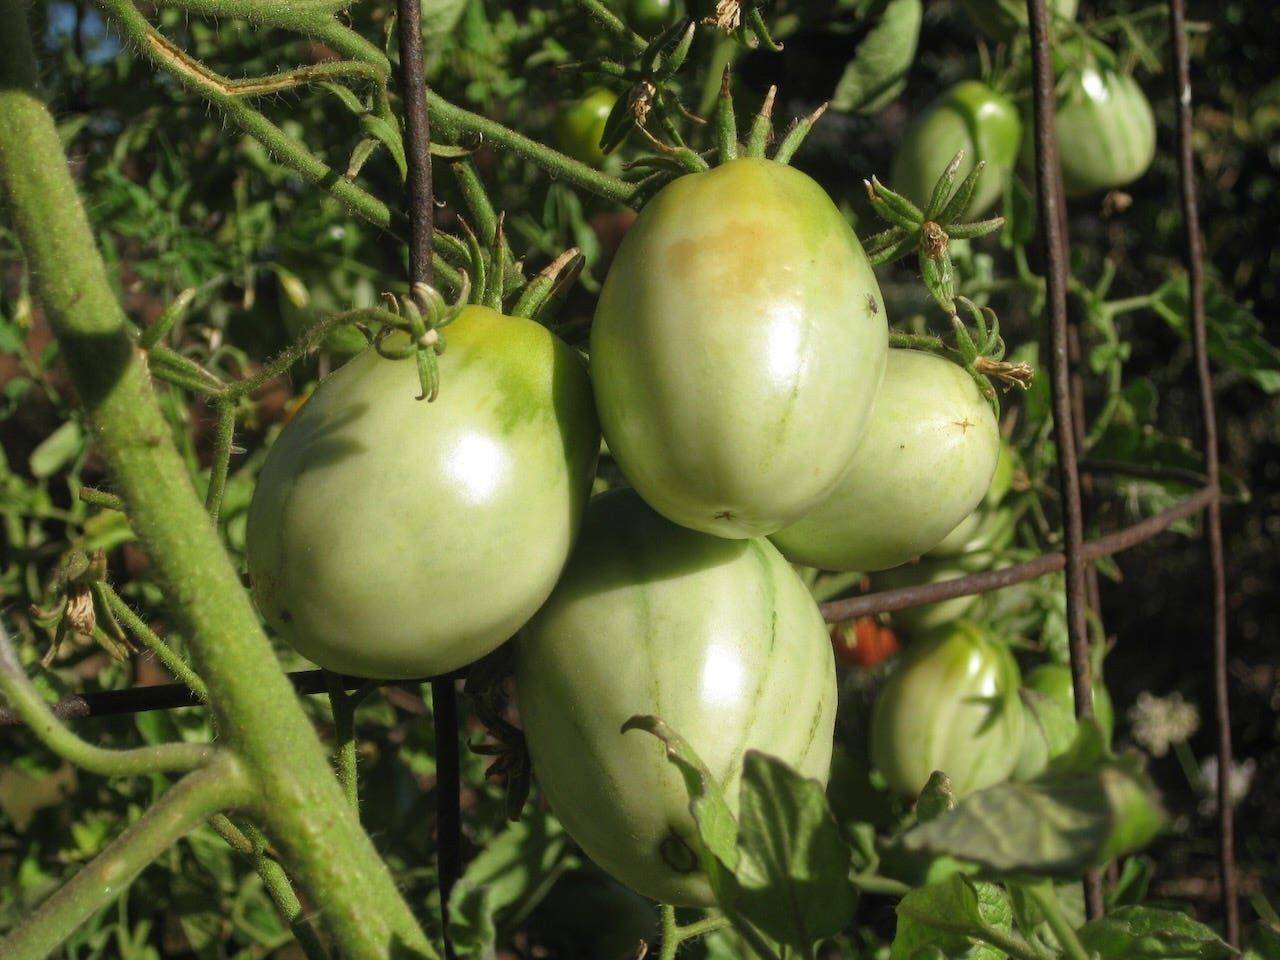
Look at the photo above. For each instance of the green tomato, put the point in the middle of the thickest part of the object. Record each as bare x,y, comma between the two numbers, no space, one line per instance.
951,705
1054,680
720,638
969,116
1105,128
738,345
391,537
989,527
580,125
649,17
1001,19
924,464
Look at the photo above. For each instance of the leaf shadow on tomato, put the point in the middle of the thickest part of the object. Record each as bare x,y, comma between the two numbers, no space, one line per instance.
315,435
619,523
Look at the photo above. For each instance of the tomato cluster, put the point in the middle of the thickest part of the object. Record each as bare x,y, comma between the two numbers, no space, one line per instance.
741,378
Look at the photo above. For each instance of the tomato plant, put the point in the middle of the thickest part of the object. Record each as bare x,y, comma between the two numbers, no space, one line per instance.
1105,127
580,125
717,637
970,116
924,464
1002,19
378,518
737,347
951,705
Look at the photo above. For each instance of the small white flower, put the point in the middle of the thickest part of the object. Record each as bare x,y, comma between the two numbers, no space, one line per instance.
1158,722
1239,782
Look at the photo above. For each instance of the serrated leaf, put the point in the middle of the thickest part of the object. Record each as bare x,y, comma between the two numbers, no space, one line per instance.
878,70
1236,337
1059,824
512,868
947,919
793,866
1147,933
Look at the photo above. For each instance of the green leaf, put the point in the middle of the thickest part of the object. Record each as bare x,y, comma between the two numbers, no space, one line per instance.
948,919
717,828
1235,335
878,71
515,867
793,867
1147,933
1059,824
56,450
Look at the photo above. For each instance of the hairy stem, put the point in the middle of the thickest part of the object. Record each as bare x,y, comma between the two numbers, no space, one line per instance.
183,807
295,797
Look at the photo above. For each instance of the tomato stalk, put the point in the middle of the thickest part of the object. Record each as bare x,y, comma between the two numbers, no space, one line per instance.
259,720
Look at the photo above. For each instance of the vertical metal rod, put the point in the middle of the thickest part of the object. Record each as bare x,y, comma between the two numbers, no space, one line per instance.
1053,227
444,699
1213,516
417,128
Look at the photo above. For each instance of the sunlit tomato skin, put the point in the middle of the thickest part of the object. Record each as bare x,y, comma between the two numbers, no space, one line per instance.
952,705
969,116
737,347
924,463
580,125
393,537
1106,131
1001,19
718,637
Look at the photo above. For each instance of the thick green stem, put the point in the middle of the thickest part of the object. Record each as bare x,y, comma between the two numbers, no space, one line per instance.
182,808
25,701
259,719
452,124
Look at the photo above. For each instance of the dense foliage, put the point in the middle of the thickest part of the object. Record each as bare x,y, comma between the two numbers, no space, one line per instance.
243,182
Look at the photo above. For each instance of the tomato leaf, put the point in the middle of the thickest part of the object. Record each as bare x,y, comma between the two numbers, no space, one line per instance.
511,870
793,866
1236,336
1058,824
950,918
878,70
716,827
1148,933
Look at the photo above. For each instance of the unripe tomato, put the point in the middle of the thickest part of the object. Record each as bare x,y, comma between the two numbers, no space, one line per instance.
988,527
580,125
649,17
924,464
951,705
1105,128
969,116
391,537
720,638
1001,19
737,347
1054,680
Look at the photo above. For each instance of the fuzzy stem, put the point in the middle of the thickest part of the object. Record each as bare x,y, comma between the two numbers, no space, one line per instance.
451,124
183,807
294,797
